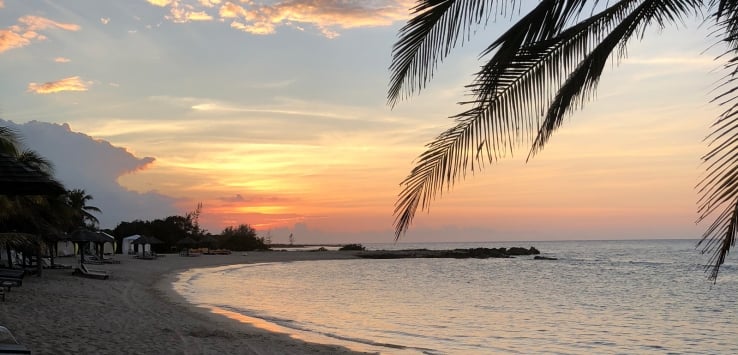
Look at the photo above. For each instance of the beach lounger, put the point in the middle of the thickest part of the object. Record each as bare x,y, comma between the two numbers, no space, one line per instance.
8,344
11,277
90,273
16,273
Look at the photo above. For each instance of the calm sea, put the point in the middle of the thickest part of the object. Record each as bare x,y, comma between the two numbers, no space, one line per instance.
599,297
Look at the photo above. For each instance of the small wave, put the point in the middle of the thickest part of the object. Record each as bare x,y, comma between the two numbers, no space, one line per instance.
293,327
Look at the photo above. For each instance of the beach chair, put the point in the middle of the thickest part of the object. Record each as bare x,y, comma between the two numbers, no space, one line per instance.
90,273
8,344
11,277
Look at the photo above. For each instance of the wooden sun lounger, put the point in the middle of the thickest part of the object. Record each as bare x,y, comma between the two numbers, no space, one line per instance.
12,273
90,273
11,277
8,344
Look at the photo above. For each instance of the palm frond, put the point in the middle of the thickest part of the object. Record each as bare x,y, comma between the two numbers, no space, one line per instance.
718,189
9,141
505,93
14,240
583,80
36,161
429,36
513,91
726,14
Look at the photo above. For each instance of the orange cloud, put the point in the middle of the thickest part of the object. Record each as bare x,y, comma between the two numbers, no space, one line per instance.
62,60
2,4
73,83
182,13
231,10
161,3
209,3
10,40
21,35
328,16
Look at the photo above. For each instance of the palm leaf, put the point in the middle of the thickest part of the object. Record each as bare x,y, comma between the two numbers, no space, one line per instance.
37,162
9,141
719,187
429,36
585,77
513,90
504,102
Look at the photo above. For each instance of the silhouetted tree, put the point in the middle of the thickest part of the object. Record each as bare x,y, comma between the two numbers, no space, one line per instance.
81,212
242,238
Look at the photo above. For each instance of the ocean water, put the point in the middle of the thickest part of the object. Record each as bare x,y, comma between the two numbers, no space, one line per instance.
601,297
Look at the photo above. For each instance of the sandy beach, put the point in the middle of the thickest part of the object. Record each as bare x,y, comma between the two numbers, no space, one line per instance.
137,312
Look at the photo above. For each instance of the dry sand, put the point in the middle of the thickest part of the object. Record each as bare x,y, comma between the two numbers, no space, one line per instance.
136,311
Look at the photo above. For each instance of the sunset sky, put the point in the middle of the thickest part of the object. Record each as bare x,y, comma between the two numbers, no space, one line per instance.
274,114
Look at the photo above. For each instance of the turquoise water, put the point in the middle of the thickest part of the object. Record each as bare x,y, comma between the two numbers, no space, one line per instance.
599,297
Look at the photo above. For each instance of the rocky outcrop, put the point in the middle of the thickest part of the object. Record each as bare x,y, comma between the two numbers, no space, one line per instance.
477,253
539,257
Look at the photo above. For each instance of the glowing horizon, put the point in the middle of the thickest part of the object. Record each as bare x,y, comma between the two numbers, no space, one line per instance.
275,116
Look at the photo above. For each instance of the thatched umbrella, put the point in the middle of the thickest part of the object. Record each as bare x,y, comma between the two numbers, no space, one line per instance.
15,240
84,236
208,241
18,179
105,238
187,243
51,240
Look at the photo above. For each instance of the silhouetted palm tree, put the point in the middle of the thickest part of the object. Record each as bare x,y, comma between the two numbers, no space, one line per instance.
537,72
81,212
8,141
24,211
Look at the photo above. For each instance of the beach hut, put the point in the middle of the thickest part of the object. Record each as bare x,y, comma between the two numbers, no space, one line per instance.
146,243
127,246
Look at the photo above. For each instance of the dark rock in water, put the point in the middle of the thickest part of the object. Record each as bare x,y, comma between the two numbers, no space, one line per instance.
522,251
538,257
477,253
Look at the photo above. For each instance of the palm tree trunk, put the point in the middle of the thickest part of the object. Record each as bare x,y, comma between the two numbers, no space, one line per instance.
52,252
39,266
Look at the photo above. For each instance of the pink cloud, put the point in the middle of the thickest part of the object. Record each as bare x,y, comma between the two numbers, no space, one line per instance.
35,23
73,83
11,40
328,16
22,34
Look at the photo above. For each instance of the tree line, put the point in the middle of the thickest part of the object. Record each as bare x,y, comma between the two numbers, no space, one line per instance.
37,210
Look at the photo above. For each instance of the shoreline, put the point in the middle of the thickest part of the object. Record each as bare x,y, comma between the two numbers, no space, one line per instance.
137,311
